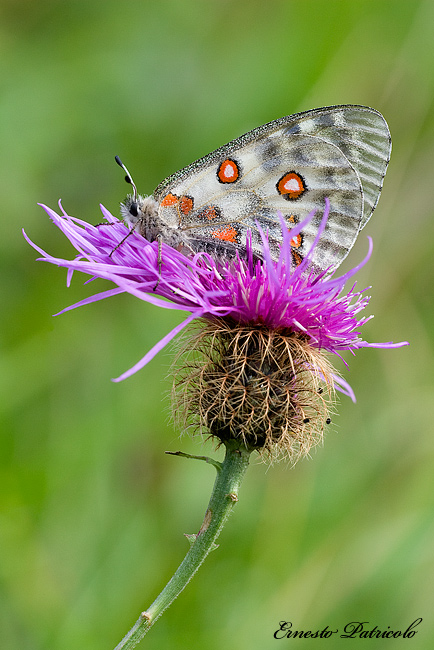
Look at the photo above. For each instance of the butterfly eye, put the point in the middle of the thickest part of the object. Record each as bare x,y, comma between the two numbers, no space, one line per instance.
133,209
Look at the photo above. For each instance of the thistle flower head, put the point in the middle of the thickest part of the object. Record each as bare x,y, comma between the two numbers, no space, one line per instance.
258,370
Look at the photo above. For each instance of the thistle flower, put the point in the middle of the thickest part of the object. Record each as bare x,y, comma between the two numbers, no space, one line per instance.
255,372
257,369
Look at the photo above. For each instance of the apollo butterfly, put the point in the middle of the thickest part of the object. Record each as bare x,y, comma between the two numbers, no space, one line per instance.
288,167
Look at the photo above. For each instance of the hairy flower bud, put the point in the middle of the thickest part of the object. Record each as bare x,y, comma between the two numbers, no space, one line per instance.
270,388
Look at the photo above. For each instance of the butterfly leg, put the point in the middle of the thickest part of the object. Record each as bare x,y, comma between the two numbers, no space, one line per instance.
122,240
159,259
108,223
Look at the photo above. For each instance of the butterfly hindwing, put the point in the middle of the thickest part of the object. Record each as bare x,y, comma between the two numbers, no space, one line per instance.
362,134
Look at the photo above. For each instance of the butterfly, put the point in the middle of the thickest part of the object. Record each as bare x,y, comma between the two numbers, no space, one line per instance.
286,167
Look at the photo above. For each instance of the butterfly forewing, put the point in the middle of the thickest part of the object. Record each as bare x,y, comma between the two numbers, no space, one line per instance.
288,166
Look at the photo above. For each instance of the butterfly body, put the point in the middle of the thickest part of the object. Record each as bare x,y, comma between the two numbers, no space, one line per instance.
288,167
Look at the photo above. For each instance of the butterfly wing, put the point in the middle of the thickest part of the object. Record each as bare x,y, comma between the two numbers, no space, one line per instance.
287,166
362,134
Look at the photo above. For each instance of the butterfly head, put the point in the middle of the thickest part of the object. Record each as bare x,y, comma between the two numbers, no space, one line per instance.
139,210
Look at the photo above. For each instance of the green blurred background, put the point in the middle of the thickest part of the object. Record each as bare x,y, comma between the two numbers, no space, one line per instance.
92,510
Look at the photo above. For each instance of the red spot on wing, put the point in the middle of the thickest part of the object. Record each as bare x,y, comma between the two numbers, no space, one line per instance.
186,204
296,258
296,242
228,233
210,213
169,200
291,186
228,172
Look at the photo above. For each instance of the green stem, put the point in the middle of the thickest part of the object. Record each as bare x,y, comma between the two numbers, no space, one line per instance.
223,498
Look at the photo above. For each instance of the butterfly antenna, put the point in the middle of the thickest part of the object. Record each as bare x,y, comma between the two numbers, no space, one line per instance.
128,177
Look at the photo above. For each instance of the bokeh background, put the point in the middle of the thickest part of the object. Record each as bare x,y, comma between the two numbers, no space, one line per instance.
92,510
